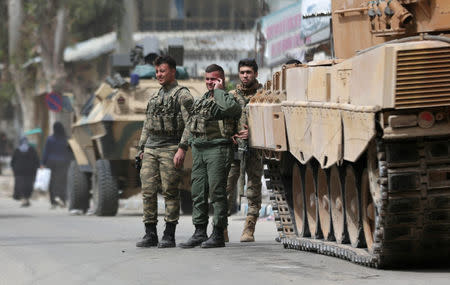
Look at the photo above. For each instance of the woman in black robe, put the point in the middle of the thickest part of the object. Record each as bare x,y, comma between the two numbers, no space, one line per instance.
57,156
24,163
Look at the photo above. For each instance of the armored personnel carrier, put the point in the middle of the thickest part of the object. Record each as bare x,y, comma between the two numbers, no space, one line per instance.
104,142
357,148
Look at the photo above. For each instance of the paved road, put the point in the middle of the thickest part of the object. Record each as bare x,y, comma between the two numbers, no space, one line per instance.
43,246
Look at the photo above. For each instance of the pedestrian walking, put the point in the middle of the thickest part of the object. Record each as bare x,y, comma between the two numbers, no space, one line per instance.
24,163
57,156
163,145
213,123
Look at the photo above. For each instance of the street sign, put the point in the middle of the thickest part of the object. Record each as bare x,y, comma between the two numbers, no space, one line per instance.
53,101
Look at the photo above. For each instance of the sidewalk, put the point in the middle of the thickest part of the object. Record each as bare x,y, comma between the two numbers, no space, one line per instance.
6,183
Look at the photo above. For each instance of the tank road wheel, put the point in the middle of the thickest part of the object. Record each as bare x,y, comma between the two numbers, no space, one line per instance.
337,204
311,201
106,190
353,207
298,197
368,210
369,188
323,202
77,188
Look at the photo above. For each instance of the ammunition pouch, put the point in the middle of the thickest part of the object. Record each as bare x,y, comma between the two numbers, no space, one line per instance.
165,133
210,130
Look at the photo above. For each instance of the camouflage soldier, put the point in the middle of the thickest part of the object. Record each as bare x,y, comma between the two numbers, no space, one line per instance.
163,144
212,124
248,71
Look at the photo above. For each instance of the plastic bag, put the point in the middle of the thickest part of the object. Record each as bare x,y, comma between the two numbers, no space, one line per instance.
42,181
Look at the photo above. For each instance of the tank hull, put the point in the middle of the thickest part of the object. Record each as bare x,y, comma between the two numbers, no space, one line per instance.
357,154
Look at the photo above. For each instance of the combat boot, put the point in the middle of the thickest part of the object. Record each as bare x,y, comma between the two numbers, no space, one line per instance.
215,240
249,229
225,235
150,238
168,239
197,238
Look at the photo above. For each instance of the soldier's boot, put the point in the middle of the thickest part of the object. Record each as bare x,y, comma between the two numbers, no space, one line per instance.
215,240
249,229
151,237
197,238
225,235
168,239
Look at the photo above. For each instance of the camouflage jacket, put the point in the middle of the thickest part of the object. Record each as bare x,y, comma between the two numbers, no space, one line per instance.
213,119
243,96
180,105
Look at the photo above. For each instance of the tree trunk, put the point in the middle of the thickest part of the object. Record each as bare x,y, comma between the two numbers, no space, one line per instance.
52,53
15,17
127,27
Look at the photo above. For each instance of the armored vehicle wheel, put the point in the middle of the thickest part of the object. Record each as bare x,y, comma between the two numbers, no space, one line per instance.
353,207
337,204
106,190
186,202
311,201
323,202
77,188
298,198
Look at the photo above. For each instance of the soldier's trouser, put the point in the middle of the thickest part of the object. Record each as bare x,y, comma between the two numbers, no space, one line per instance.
158,173
209,178
254,170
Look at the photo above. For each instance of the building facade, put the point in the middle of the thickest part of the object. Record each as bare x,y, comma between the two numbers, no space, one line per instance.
179,15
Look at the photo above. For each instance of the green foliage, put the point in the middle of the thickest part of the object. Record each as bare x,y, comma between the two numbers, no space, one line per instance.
3,31
91,18
85,19
7,92
229,86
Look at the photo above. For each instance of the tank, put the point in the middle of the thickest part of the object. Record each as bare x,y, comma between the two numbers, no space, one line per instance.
104,142
357,148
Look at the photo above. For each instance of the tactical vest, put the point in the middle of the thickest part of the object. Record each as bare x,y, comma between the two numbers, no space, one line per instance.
164,113
202,123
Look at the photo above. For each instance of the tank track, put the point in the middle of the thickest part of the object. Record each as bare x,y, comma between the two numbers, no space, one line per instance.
412,225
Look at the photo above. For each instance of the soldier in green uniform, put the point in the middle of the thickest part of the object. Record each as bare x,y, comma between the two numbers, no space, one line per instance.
212,124
248,71
163,145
